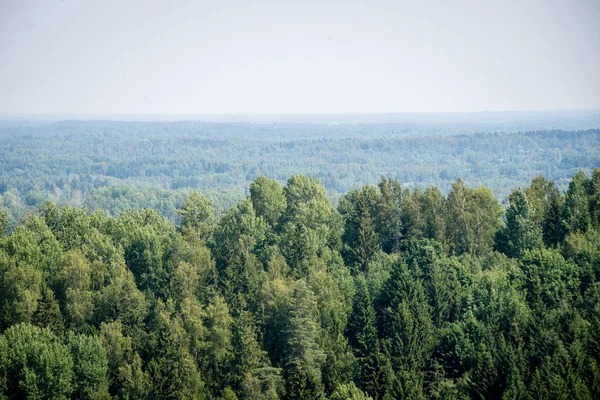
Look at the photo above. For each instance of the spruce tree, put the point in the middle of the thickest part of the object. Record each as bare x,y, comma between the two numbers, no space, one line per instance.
576,213
521,232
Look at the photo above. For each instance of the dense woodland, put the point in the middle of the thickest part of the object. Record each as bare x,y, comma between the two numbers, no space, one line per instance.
115,166
396,293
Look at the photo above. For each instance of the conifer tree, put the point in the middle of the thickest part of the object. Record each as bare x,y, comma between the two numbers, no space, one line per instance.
521,232
576,213
372,372
304,355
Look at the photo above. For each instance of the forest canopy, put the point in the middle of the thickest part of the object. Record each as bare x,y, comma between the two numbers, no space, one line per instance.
116,166
396,292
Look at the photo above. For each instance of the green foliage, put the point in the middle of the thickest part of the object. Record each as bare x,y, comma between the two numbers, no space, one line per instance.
473,217
304,357
349,392
196,210
90,367
576,214
396,294
548,278
360,238
4,220
522,231
268,199
34,364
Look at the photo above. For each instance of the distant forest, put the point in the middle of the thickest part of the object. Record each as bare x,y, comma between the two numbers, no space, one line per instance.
395,293
116,166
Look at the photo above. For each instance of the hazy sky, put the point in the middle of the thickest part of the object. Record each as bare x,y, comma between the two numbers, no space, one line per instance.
302,56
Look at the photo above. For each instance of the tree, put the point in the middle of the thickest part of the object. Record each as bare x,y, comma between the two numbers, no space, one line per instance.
252,373
361,242
20,293
349,391
268,199
195,212
549,278
218,351
407,324
239,221
147,240
388,220
48,313
304,356
90,367
120,300
306,222
372,374
576,214
172,369
521,231
594,189
126,378
34,364
4,220
76,286
552,225
33,243
539,194
473,216
432,209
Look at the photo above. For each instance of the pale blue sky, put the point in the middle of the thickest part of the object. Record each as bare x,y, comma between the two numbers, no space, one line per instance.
207,57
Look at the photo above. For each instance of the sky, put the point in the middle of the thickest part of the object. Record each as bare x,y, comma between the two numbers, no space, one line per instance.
303,56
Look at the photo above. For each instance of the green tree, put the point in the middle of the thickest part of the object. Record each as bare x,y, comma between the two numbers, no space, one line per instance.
4,220
90,367
549,278
172,369
307,221
594,192
432,209
126,378
552,225
576,214
539,194
121,300
34,364
408,325
78,294
373,371
304,357
473,217
252,373
218,351
33,243
521,231
48,313
268,199
195,212
349,391
361,241
20,293
387,217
